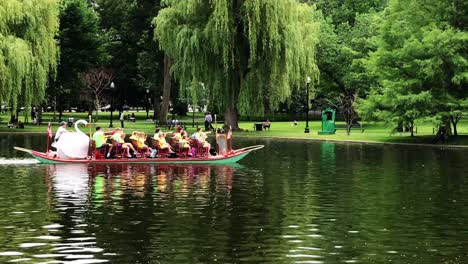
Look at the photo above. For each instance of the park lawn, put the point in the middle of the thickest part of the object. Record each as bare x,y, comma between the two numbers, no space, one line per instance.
374,132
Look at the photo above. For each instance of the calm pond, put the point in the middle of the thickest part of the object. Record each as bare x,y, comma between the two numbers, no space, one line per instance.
291,202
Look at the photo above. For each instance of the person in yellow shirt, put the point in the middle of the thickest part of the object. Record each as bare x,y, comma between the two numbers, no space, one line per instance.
184,143
118,139
138,140
161,138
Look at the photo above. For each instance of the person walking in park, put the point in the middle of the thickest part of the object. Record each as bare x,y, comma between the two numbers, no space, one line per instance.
121,118
208,121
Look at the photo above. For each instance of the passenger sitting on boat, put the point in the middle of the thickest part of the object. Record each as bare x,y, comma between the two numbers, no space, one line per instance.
201,136
161,138
100,139
178,134
118,139
138,139
184,142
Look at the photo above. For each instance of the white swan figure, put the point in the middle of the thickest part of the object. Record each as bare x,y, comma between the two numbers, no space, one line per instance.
73,145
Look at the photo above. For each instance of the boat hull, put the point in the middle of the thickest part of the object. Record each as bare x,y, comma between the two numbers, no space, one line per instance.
233,157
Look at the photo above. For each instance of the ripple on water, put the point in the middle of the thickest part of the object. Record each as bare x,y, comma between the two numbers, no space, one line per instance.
303,256
52,226
309,248
80,238
75,244
78,231
308,262
79,250
30,245
49,255
48,237
79,256
88,261
18,161
19,260
10,253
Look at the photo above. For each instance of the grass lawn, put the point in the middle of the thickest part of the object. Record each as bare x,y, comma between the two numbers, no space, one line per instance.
374,132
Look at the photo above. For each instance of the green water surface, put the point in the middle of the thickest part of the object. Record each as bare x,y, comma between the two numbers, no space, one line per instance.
291,202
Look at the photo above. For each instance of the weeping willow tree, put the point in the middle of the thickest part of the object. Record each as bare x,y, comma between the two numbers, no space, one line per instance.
248,53
28,50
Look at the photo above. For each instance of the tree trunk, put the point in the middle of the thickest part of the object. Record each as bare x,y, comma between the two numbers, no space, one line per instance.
448,126
96,104
166,90
60,110
55,107
454,121
156,105
90,110
412,128
39,115
231,118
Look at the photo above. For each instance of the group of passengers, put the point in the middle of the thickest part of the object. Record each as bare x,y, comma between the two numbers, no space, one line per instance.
117,139
180,142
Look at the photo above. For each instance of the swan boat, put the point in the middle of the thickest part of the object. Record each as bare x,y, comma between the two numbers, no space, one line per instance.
232,157
51,157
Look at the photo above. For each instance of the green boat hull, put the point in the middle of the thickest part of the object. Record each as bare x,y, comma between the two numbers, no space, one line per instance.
233,157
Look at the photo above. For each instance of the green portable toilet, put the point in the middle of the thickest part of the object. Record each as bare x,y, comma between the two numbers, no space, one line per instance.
328,122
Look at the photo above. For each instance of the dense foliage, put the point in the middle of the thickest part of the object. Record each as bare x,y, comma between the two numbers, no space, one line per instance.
401,61
135,58
28,49
245,52
421,65
81,48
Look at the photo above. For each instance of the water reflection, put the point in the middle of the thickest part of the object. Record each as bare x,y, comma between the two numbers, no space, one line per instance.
102,210
293,202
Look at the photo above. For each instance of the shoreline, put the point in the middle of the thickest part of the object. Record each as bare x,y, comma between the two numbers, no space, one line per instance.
366,142
316,139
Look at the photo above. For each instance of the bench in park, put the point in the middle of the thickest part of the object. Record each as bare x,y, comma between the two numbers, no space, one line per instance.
348,127
261,126
170,124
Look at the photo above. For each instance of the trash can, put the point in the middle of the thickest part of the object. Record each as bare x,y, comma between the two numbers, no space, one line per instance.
328,122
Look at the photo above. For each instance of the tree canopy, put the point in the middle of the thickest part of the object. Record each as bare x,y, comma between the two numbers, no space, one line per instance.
248,54
81,48
421,64
28,49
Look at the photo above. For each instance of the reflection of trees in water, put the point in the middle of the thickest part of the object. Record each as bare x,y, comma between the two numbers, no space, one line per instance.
24,205
140,210
120,203
143,179
29,141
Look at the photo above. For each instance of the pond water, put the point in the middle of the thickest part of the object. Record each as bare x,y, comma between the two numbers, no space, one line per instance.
291,202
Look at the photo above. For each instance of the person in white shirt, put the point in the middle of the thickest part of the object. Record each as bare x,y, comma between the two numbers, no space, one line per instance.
62,129
208,121
121,118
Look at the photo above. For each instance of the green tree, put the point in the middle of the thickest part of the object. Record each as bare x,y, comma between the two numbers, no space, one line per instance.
421,64
243,51
117,22
150,59
28,49
346,11
346,39
80,49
